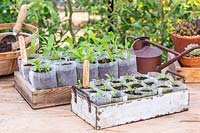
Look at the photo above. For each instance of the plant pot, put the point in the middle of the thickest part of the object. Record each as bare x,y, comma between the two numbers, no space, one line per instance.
93,71
108,68
43,80
178,86
146,91
180,42
66,74
150,81
190,62
26,68
100,100
120,97
127,66
164,88
133,95
140,77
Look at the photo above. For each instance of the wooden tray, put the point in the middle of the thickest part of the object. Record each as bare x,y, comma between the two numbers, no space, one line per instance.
191,74
41,98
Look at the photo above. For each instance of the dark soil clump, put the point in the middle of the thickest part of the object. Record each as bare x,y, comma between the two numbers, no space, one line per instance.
5,47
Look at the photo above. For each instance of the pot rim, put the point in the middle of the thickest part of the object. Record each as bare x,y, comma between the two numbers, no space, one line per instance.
185,37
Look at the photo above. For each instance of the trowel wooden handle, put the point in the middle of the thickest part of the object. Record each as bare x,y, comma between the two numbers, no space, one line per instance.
23,49
28,40
20,19
86,74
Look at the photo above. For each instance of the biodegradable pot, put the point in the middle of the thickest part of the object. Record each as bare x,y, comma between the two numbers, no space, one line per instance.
108,68
26,68
120,97
150,81
146,91
127,66
93,71
164,88
43,80
66,74
180,42
133,95
190,61
178,86
100,100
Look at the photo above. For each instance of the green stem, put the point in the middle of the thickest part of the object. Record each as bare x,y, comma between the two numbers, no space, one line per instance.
70,20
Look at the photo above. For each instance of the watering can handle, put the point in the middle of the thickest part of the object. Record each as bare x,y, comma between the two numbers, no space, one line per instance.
176,74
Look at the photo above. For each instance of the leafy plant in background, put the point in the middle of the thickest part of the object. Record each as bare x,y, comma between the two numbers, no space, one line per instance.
49,47
155,18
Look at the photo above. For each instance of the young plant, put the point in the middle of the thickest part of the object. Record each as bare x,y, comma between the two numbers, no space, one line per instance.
100,92
32,49
49,47
109,45
38,67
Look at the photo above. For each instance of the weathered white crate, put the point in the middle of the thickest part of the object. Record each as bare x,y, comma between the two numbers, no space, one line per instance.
110,115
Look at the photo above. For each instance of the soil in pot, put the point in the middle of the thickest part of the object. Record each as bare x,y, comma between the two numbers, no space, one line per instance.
120,87
66,74
43,80
141,77
127,66
135,85
110,68
5,47
93,71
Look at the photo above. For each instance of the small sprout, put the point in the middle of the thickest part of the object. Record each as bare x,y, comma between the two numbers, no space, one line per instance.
100,92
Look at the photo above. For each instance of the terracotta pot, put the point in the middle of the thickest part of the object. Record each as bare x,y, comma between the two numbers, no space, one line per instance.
190,62
180,42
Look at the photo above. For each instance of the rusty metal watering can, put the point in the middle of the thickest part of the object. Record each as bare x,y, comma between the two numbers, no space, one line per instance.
149,59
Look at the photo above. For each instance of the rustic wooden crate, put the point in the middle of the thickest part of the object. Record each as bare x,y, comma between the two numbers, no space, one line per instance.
191,74
110,115
41,98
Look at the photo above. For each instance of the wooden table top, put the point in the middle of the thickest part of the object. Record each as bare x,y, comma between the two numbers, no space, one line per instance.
17,116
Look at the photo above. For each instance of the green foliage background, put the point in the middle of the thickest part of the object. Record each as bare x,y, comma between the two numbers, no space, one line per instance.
154,18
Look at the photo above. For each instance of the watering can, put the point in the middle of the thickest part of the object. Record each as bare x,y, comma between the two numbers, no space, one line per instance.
149,59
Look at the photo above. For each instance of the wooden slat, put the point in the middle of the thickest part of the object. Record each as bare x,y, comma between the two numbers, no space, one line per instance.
42,98
192,74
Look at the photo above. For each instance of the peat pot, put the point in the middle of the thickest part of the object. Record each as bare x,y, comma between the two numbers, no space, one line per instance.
44,80
66,74
127,66
93,71
108,68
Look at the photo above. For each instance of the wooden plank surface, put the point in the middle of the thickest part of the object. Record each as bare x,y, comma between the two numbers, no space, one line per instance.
42,98
192,74
18,117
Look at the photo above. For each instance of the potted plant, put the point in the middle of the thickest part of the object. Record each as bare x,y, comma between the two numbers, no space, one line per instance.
185,34
42,76
118,96
164,88
66,73
127,61
101,97
107,61
191,59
